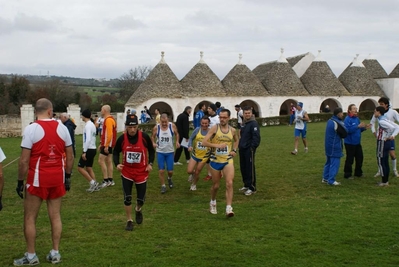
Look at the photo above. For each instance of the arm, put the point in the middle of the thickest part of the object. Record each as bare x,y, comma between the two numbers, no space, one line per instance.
150,147
176,135
372,124
208,136
153,136
255,135
117,150
191,139
108,125
23,164
69,159
87,139
305,116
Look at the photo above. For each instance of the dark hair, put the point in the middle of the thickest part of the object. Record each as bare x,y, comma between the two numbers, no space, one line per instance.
206,118
158,110
350,107
380,110
187,108
218,104
384,100
247,108
226,110
201,104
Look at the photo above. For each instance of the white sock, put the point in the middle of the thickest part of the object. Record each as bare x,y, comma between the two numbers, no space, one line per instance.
394,164
53,252
163,185
169,178
228,207
92,182
213,202
31,255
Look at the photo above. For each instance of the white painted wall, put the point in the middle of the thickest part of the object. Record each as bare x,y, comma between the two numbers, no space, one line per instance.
390,86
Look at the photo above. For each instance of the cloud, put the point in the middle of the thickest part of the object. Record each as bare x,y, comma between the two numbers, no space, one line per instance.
23,22
125,22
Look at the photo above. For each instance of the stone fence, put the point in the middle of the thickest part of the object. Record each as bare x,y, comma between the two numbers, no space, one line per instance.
13,125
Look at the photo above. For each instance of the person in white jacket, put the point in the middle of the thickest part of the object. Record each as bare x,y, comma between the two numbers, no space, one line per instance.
89,152
387,130
393,116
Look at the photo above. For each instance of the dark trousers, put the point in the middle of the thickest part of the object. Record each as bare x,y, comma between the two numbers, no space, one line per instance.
353,153
383,148
179,150
127,186
247,167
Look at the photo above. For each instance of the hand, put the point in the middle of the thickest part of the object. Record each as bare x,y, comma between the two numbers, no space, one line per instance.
361,125
222,145
149,168
84,156
106,150
67,181
177,145
190,148
20,189
119,167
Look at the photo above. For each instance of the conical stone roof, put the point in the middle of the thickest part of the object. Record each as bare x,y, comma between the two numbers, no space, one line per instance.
241,81
161,82
279,79
374,68
320,80
395,72
201,81
358,81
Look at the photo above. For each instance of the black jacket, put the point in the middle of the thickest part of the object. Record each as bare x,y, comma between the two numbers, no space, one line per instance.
71,129
183,126
250,135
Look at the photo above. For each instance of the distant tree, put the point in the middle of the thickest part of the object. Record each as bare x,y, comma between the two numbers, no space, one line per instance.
18,90
85,101
129,82
4,97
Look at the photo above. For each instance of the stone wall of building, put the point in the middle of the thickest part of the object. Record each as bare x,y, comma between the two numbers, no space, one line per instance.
10,126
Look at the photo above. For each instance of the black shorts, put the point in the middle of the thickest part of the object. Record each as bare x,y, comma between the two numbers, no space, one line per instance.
109,151
90,154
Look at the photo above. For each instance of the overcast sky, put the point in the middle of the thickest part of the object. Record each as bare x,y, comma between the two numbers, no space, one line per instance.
104,39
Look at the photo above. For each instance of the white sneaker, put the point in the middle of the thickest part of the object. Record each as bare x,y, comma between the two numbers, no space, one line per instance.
335,183
324,181
395,173
377,174
111,183
177,163
103,184
193,187
243,189
383,184
190,178
212,208
249,192
306,150
92,188
229,212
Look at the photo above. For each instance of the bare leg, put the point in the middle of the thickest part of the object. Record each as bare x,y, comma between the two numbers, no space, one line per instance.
215,183
91,173
85,174
101,161
110,166
128,210
228,172
170,174
197,172
305,142
54,213
161,174
31,210
296,142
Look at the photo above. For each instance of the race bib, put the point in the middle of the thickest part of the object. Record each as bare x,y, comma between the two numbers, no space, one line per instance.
200,146
165,140
133,157
222,151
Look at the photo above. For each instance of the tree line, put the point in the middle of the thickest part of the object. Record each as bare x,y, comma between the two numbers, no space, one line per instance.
17,90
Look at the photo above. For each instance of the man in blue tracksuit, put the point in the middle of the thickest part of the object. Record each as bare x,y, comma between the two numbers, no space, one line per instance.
249,141
353,146
199,114
335,131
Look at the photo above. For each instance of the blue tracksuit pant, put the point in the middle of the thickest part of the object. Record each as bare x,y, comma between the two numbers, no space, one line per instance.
331,169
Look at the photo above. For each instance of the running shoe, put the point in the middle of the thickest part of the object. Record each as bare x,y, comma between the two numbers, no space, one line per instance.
249,192
129,226
24,261
193,187
177,163
212,208
190,178
139,217
208,177
170,182
93,187
54,259
163,189
229,212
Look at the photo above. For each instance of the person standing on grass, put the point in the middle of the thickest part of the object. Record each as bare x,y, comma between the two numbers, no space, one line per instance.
157,116
335,131
352,141
138,155
199,153
223,140
387,130
47,175
89,152
214,119
249,142
393,116
301,118
164,133
71,126
183,128
292,113
107,143
2,158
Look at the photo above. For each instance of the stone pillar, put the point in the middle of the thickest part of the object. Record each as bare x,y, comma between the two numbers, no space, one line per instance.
120,121
74,112
27,116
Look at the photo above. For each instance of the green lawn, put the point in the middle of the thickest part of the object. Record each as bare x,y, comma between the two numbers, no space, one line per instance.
293,220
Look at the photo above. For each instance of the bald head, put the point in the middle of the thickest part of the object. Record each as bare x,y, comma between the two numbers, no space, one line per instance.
105,110
44,108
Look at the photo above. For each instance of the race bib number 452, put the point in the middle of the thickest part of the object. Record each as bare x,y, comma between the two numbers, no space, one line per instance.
133,157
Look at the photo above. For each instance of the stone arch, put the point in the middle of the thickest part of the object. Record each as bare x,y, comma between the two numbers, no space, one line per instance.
332,104
163,107
368,104
251,103
285,107
197,107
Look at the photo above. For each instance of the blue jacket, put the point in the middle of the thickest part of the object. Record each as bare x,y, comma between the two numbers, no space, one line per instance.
335,131
197,118
250,135
354,132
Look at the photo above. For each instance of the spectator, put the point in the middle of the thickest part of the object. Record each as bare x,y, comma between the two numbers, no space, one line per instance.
71,126
183,128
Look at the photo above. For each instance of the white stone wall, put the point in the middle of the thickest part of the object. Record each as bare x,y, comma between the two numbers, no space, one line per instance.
390,86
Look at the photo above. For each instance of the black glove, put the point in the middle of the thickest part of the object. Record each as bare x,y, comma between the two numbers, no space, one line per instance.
67,181
20,188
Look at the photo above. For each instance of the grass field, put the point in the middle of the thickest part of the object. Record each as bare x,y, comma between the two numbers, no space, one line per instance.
293,220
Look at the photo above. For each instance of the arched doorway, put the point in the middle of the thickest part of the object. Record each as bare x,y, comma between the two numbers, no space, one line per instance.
328,105
286,106
254,105
197,106
164,108
368,105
